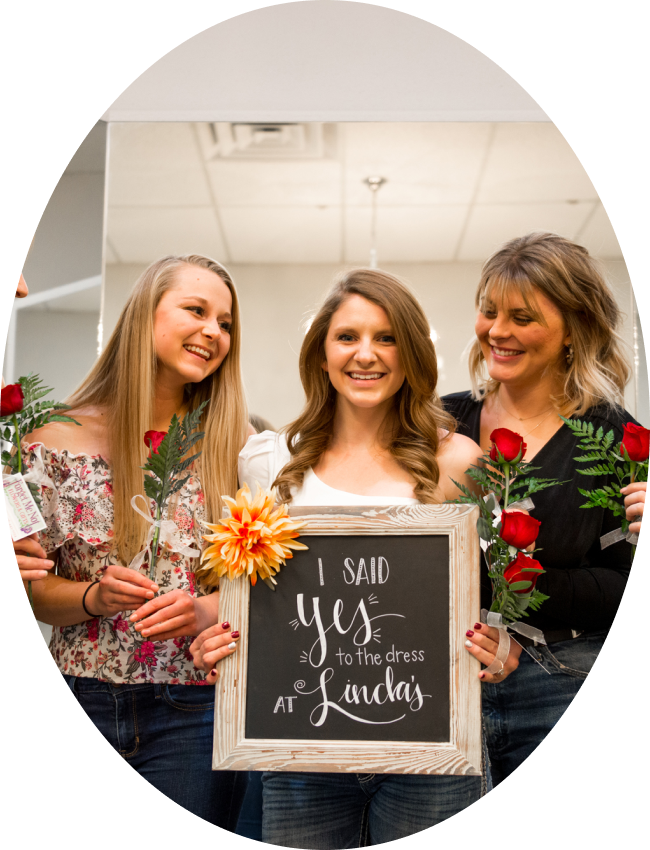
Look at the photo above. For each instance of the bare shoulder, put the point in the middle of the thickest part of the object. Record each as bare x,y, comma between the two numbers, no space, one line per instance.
457,450
89,436
457,453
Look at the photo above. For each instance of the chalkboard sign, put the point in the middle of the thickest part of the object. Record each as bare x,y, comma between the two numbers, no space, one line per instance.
355,662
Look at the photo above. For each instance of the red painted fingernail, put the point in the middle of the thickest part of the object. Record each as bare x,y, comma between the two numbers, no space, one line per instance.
469,633
481,675
235,634
225,626
477,626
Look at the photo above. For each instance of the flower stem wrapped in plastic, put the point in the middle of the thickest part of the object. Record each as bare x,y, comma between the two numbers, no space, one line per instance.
255,540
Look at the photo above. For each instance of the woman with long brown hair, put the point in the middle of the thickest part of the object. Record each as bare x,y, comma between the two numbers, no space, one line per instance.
372,432
547,345
176,345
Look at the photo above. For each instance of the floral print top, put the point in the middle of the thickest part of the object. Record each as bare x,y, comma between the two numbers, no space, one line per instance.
81,529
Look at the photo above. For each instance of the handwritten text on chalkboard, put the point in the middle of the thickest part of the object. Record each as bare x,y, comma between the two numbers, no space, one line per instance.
355,639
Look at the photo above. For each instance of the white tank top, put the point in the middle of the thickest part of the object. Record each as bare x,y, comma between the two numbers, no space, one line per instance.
265,454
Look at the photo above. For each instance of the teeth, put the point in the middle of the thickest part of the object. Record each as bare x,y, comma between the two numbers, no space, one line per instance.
365,376
202,352
505,352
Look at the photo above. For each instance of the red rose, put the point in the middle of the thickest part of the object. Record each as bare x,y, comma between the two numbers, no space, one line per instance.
153,439
518,529
636,440
518,570
11,400
511,445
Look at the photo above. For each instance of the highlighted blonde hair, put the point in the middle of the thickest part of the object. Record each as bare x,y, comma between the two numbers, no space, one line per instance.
122,382
569,277
414,438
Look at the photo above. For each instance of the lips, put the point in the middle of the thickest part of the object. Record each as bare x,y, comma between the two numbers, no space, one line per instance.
505,353
365,376
199,351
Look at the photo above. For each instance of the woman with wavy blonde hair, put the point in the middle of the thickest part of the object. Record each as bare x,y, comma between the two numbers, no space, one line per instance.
547,345
372,432
175,345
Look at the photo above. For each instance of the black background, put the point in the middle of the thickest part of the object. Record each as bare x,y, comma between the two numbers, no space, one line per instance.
417,587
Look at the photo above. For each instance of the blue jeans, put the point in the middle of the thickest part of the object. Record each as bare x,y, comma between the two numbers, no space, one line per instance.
332,811
520,712
165,733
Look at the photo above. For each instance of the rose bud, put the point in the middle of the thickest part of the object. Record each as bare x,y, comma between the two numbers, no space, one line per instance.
518,529
510,444
518,570
636,441
153,439
12,400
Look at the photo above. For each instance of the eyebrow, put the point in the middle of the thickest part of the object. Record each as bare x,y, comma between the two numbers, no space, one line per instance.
203,301
350,330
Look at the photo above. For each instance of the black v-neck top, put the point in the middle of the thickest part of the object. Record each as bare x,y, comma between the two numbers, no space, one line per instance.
585,583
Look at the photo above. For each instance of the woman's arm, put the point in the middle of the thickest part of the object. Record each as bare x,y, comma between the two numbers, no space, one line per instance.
59,601
456,455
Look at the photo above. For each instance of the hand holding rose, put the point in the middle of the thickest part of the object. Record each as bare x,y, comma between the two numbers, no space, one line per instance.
33,562
120,589
634,502
482,643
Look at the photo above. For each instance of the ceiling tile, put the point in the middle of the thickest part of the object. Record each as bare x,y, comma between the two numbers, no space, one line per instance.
532,162
411,234
423,163
283,234
273,183
151,187
598,236
141,235
490,225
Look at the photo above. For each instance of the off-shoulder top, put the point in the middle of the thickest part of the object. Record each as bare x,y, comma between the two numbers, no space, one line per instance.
264,456
81,529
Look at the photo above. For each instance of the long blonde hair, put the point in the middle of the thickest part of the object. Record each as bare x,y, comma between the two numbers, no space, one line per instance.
123,383
414,442
569,277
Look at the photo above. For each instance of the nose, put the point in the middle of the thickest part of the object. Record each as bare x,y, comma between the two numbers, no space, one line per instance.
212,329
500,328
365,353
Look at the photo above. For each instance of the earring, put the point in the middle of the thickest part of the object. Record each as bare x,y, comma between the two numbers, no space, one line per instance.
569,354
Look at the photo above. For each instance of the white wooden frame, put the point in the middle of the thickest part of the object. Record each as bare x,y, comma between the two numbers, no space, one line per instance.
460,755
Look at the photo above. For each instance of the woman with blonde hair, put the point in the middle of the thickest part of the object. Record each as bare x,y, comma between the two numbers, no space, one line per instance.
372,432
175,345
547,346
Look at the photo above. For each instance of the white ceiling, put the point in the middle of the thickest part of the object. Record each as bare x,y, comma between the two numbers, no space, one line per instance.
454,192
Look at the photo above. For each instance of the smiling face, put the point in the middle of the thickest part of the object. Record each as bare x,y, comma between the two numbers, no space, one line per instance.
517,347
361,356
192,327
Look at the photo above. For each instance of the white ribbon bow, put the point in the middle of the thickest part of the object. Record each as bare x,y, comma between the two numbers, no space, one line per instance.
169,535
618,534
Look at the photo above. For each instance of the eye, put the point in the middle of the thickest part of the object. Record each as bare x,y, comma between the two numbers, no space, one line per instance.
387,338
489,312
345,338
225,326
194,308
522,319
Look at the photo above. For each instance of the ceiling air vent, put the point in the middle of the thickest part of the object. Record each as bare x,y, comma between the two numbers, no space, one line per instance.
223,140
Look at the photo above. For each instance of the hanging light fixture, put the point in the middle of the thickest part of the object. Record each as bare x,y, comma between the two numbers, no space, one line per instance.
374,184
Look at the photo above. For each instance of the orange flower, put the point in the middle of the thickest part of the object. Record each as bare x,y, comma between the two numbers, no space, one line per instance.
255,540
